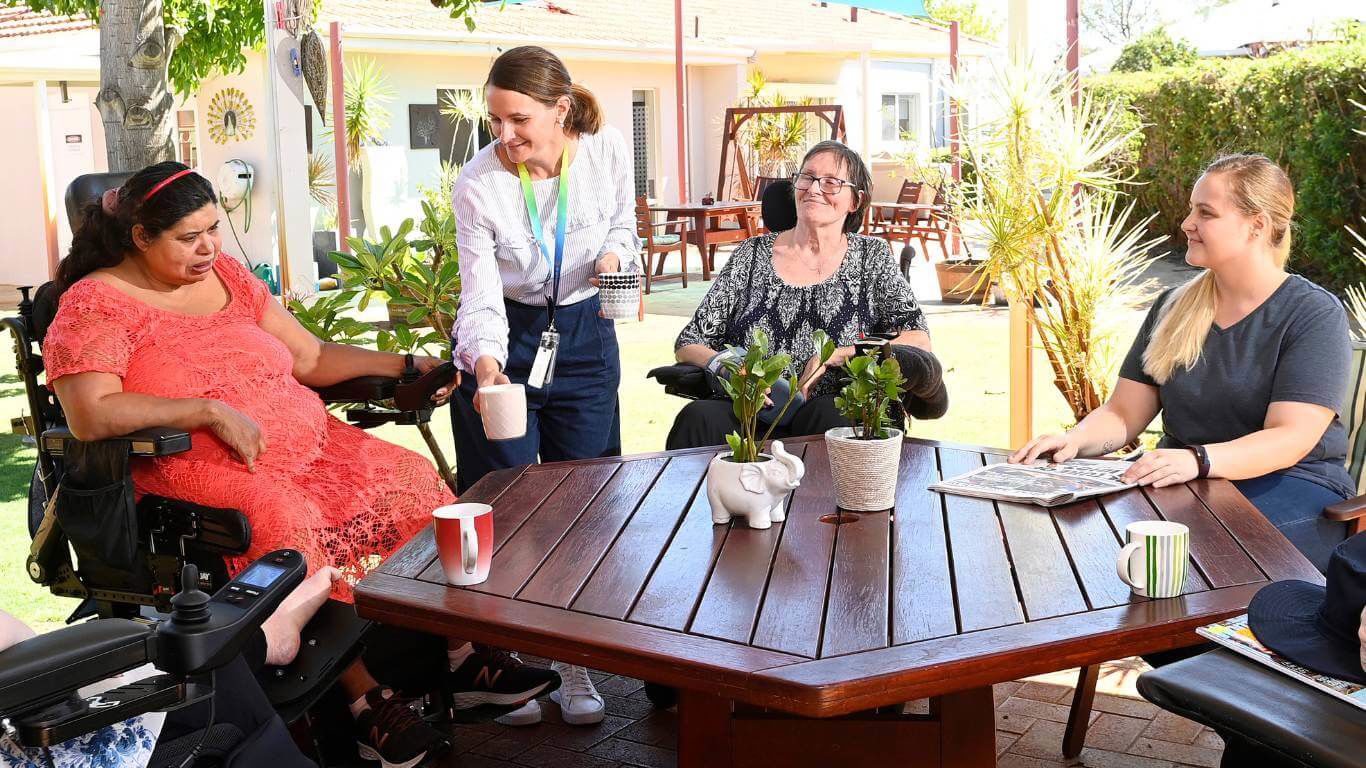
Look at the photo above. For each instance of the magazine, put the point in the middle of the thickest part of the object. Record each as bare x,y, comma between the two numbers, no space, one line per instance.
1235,635
1042,483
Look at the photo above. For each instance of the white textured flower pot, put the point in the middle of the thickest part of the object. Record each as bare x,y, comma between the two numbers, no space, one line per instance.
864,470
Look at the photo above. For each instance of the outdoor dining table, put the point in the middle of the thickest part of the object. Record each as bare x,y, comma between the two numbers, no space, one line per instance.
705,230
785,642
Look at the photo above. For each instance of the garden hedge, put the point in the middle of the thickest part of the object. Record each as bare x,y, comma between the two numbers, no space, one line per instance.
1295,107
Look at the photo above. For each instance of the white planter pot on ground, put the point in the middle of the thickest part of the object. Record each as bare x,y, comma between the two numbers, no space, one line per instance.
755,490
864,471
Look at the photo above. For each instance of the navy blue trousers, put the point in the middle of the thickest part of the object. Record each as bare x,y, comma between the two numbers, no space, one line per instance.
1295,507
576,417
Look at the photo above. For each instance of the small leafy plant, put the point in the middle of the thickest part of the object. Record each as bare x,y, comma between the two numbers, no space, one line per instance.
752,372
872,388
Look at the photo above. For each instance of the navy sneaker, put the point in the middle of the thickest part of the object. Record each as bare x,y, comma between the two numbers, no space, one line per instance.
496,677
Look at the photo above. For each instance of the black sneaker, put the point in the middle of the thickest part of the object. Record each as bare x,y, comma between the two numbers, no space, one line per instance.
494,676
391,733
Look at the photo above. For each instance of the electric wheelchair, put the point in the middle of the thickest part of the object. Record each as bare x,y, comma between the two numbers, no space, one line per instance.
130,556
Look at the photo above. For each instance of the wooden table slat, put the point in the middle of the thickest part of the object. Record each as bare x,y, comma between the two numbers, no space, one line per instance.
729,606
1094,547
1221,559
1044,570
921,581
672,593
532,543
984,582
1132,506
417,555
790,619
1255,533
857,617
613,588
577,555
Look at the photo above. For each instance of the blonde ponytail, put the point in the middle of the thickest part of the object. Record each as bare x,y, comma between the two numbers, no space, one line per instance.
1181,329
1257,186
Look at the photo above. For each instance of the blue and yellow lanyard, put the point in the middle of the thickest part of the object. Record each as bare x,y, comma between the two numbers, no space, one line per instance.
561,217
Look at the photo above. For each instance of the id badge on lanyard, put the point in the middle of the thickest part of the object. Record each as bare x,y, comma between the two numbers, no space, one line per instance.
543,367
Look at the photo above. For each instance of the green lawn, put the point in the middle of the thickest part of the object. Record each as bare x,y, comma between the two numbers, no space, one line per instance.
972,346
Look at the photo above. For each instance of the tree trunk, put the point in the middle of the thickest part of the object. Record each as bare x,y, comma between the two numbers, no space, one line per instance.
135,98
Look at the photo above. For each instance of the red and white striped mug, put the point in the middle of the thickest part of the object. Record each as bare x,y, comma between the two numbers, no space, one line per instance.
464,542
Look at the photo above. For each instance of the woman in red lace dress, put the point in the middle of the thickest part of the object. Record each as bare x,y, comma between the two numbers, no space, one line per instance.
157,327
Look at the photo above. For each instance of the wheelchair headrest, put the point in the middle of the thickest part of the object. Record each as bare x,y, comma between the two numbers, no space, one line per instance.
86,189
779,206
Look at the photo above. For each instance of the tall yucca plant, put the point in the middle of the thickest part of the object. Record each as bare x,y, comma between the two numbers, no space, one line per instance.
1055,240
366,91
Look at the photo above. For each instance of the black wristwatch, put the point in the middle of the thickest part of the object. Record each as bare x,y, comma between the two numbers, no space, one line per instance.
410,371
1201,459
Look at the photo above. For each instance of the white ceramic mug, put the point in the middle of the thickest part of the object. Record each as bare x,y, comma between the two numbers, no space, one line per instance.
619,294
502,407
1153,562
464,542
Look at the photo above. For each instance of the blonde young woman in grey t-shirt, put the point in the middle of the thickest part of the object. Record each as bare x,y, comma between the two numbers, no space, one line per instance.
1247,363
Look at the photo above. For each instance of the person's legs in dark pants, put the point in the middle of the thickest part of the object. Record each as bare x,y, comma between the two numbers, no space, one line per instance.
815,417
702,423
1295,507
581,417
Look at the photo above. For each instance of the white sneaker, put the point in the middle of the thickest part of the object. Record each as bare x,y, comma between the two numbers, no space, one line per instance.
579,701
527,714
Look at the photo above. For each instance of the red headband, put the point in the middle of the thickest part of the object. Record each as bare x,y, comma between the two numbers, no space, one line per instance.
165,182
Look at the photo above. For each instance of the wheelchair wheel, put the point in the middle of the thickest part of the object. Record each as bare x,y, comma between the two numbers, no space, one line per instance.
37,500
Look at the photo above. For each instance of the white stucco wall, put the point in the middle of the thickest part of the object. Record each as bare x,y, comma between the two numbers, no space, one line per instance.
21,224
415,79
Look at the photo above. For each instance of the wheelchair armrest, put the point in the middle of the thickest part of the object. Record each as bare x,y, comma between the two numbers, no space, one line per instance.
682,379
49,667
417,394
154,441
362,389
926,396
1346,510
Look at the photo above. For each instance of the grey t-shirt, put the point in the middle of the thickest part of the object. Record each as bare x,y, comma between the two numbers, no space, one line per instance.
1294,347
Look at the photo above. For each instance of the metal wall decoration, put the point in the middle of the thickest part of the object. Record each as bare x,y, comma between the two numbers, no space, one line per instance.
231,117
422,126
314,64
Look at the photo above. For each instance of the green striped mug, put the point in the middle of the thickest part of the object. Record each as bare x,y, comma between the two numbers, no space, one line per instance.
1153,562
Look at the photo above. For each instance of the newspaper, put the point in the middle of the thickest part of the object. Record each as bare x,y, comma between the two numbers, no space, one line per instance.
1042,483
1235,635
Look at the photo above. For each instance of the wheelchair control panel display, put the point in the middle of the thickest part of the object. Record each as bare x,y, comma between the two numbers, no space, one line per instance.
204,633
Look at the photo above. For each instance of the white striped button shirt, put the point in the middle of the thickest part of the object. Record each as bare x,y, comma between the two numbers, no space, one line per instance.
499,257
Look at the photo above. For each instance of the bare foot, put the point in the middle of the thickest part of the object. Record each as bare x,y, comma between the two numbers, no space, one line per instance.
284,625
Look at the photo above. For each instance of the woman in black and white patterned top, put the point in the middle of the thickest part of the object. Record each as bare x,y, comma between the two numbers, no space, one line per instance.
818,275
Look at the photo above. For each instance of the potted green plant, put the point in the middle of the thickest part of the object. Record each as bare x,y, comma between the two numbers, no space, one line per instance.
864,457
747,481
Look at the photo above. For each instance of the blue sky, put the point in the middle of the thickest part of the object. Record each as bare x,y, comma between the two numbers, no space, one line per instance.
908,7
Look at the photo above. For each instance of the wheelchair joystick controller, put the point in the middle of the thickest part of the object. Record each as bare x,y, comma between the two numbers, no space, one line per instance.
191,605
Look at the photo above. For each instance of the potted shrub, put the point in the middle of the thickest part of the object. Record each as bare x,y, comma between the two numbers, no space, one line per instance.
746,481
864,457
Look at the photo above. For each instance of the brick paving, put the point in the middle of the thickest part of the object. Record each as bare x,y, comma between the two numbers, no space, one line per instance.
1125,731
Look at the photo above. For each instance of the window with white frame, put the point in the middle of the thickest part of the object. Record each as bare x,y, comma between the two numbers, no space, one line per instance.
900,116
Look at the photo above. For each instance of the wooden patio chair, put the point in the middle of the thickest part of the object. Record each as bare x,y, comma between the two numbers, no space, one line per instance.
882,219
931,224
1350,511
673,238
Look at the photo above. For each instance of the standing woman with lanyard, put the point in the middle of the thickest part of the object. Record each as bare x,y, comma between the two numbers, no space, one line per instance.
533,237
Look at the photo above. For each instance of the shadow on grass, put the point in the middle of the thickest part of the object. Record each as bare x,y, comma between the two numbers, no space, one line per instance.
16,467
11,378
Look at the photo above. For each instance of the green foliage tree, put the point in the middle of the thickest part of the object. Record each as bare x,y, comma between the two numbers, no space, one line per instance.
152,48
1154,49
1295,107
971,19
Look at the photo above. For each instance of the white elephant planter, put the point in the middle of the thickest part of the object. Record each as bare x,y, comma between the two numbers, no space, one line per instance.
756,490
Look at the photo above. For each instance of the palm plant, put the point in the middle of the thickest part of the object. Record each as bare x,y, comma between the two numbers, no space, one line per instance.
1056,241
464,105
774,141
322,180
1356,294
365,91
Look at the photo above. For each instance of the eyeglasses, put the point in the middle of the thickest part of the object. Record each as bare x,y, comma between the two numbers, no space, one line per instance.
830,185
